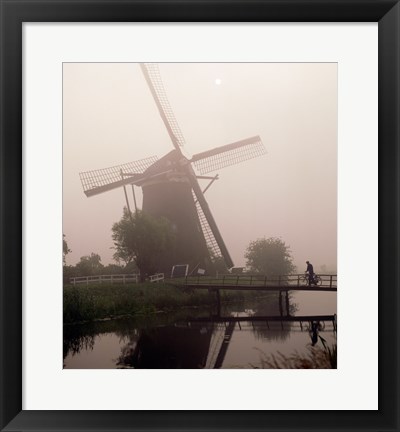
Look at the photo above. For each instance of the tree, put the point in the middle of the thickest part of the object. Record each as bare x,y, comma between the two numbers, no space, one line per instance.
89,265
66,250
131,267
112,269
144,239
269,256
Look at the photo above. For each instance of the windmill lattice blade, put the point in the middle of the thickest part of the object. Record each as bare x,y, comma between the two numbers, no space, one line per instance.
103,177
207,232
229,154
210,220
154,81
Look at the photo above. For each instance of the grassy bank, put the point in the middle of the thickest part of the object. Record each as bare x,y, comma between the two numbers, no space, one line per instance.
94,302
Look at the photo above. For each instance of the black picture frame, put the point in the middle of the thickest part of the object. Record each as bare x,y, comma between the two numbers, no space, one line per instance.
13,14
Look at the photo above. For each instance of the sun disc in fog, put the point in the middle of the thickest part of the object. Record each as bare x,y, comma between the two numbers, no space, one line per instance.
218,81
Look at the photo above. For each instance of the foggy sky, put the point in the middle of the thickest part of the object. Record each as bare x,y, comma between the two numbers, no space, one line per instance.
110,118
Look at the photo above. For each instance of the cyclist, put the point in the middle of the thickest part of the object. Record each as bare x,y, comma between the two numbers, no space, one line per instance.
310,271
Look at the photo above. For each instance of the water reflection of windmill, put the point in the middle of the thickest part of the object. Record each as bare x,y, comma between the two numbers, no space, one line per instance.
171,188
219,344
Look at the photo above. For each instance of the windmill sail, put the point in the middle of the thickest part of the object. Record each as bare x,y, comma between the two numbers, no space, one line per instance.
207,232
156,86
210,221
102,180
229,154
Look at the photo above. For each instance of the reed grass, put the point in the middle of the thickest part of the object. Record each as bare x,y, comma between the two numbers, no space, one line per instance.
314,358
94,302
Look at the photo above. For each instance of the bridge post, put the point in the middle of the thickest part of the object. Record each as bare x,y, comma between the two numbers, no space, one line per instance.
280,303
218,302
287,303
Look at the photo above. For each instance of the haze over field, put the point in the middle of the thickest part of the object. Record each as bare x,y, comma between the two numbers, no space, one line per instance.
110,118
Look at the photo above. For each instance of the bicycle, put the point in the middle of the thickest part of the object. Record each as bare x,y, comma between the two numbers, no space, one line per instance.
304,280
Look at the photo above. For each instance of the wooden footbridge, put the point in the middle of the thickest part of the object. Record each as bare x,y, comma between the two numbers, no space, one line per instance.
245,282
297,282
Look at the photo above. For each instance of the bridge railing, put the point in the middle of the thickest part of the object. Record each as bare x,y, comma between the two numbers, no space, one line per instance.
299,280
115,278
158,277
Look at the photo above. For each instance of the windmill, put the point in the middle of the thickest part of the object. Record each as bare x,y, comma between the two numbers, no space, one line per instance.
171,187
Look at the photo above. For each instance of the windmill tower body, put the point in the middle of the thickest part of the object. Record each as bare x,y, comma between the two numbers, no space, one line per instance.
170,196
174,201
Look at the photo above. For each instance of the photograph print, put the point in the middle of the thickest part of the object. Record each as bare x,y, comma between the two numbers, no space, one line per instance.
200,215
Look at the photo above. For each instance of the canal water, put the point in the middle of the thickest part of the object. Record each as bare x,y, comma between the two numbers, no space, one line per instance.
196,338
